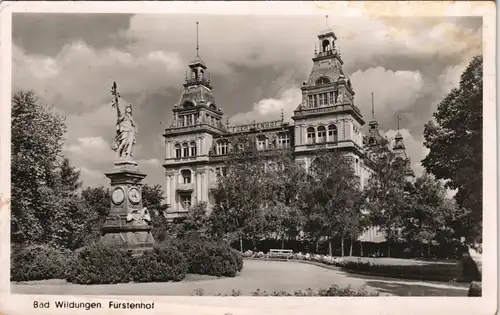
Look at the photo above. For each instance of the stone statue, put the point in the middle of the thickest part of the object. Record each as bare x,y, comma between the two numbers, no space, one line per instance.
340,98
126,129
139,217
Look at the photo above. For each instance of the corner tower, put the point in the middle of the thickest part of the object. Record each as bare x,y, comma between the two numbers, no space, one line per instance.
327,117
196,120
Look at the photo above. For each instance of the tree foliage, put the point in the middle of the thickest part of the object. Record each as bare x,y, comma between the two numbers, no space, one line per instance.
332,197
454,138
387,194
45,207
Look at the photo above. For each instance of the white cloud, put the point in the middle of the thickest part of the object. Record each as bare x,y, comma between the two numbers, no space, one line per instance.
80,77
276,41
450,78
393,90
92,178
89,150
270,109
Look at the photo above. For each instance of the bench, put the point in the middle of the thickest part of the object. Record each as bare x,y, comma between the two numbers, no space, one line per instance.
282,253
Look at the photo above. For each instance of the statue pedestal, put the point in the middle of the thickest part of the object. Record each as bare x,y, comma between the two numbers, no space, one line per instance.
126,226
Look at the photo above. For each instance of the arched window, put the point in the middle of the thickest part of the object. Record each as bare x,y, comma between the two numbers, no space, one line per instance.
185,150
332,133
311,135
192,147
325,44
222,148
186,176
321,134
178,151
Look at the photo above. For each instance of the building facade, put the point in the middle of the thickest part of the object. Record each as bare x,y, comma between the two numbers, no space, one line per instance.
198,142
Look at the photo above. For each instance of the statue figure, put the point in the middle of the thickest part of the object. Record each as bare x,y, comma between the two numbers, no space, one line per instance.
139,217
126,129
340,98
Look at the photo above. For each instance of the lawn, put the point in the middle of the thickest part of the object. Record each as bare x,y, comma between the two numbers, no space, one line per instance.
256,274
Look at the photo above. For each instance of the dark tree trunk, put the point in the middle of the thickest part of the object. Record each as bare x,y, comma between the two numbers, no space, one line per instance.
421,249
283,242
429,249
342,245
350,248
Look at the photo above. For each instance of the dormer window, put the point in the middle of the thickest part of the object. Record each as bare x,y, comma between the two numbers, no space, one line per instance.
322,80
283,140
261,142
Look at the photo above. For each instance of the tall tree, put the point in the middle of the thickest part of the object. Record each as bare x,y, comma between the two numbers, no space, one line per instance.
71,214
332,191
242,193
36,144
153,198
196,222
427,213
387,194
98,201
455,140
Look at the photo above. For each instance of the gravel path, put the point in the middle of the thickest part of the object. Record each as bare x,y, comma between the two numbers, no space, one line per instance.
263,275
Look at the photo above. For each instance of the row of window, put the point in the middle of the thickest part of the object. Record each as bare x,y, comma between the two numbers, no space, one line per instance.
323,99
282,141
322,134
193,119
185,150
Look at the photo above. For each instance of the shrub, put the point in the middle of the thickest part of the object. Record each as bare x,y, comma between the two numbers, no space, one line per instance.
99,264
37,262
211,258
475,289
163,263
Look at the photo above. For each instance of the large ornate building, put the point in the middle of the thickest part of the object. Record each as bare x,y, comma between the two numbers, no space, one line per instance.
198,141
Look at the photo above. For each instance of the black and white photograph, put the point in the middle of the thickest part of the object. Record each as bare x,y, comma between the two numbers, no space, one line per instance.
336,151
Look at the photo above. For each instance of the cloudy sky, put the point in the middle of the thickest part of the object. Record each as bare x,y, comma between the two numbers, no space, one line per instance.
257,64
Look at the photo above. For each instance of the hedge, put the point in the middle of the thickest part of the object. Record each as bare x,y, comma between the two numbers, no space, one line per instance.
37,262
101,264
429,272
334,290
